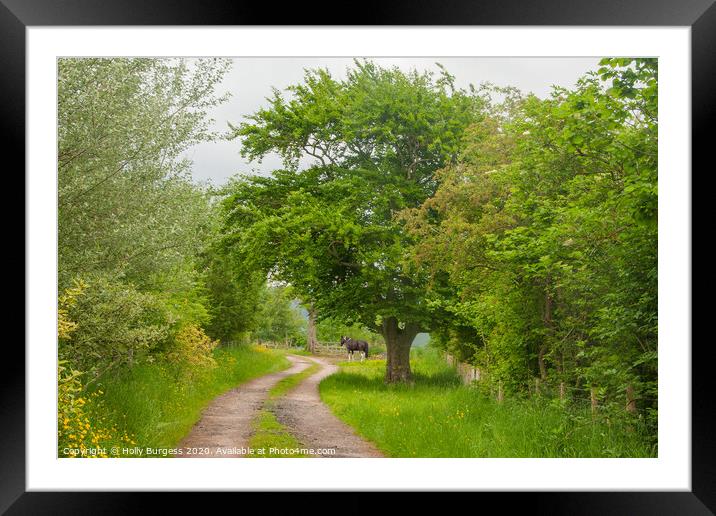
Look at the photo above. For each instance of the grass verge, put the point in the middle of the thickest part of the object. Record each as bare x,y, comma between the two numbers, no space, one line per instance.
288,383
289,351
438,417
270,437
158,404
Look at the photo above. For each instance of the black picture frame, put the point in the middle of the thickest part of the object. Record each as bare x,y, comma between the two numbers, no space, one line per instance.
700,15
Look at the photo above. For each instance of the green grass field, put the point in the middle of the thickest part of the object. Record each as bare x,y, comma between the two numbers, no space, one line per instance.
157,406
439,417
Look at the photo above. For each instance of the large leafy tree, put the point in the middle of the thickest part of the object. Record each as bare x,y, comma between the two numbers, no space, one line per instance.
375,140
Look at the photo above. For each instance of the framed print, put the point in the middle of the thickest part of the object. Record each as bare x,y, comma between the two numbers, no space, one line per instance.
447,248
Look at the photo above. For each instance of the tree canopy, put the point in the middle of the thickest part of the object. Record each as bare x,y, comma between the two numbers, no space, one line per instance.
126,202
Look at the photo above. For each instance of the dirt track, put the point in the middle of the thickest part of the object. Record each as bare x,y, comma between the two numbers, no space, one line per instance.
314,425
225,427
226,422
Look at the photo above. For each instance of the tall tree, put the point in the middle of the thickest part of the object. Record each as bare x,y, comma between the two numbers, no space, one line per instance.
375,139
126,203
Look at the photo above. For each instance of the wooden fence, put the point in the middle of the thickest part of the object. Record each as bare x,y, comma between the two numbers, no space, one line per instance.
335,348
281,345
467,372
322,348
330,348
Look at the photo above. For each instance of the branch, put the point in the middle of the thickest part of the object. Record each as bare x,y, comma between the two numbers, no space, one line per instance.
340,261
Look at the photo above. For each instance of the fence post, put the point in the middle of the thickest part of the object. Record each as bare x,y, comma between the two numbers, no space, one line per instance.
500,394
593,398
631,399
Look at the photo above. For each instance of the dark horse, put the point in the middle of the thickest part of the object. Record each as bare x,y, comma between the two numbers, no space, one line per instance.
355,345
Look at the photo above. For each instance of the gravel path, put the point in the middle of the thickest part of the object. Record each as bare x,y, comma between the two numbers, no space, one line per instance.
225,425
313,424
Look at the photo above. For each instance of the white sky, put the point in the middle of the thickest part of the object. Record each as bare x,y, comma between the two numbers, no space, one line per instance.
251,79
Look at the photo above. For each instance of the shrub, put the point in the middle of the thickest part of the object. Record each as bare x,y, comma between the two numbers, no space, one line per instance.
67,300
192,349
80,433
112,324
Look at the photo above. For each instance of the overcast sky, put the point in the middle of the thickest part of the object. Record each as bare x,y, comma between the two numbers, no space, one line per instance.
251,79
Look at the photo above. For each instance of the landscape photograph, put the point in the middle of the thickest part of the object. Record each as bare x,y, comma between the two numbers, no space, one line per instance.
360,257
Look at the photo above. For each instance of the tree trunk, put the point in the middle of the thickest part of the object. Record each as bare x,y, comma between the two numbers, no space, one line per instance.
398,342
541,364
311,330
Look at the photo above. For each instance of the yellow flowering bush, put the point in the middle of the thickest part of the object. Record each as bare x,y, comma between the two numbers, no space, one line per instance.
67,300
79,433
192,349
260,349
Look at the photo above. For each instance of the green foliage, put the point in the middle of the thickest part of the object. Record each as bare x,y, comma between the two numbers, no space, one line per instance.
234,296
331,330
278,318
125,200
138,275
116,325
541,241
188,304
131,222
